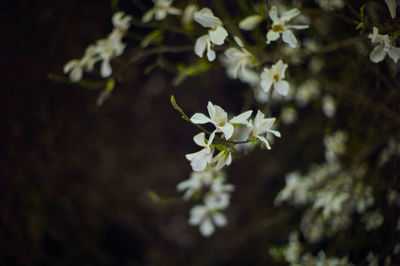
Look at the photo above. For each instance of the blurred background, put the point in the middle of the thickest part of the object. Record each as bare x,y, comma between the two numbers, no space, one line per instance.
83,184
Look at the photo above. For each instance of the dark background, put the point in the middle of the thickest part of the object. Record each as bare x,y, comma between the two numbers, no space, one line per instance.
75,177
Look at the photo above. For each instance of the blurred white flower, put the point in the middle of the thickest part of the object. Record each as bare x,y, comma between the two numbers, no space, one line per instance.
328,106
307,91
238,61
262,126
384,46
372,220
160,11
219,195
288,115
280,26
205,216
216,35
297,190
188,13
195,183
275,76
335,145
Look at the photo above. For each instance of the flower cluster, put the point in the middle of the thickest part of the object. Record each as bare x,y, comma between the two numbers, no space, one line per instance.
104,50
207,167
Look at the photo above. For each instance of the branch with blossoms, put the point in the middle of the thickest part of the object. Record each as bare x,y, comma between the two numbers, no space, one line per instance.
284,52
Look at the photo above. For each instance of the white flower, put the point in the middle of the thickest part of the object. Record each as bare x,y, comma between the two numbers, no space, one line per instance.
274,76
195,183
216,35
288,115
384,46
205,216
219,195
335,145
250,22
199,160
219,118
297,190
238,61
392,5
261,126
279,26
307,91
121,21
331,202
160,10
372,220
328,106
76,67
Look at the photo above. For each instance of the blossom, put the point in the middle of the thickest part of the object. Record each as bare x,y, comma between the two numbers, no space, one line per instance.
216,35
195,183
261,126
205,216
279,26
250,22
274,76
384,46
297,189
219,118
392,6
121,21
75,67
328,106
160,11
199,160
219,195
238,60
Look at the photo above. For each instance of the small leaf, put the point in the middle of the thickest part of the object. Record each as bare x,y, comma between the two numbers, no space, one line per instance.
220,147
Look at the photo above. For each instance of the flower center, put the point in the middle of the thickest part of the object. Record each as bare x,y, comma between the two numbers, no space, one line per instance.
277,28
276,77
221,124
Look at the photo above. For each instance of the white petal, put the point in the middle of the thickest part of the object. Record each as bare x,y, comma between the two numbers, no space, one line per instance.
148,16
105,68
298,27
227,129
210,53
272,36
289,38
219,115
197,214
160,14
70,65
201,44
200,161
250,22
210,140
199,139
392,5
288,15
266,84
207,227
394,53
199,118
242,118
206,18
219,219
174,11
282,87
238,41
76,74
218,35
264,140
273,14
378,54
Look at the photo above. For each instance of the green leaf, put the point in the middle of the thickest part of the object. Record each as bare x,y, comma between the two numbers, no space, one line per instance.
110,85
220,147
396,35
